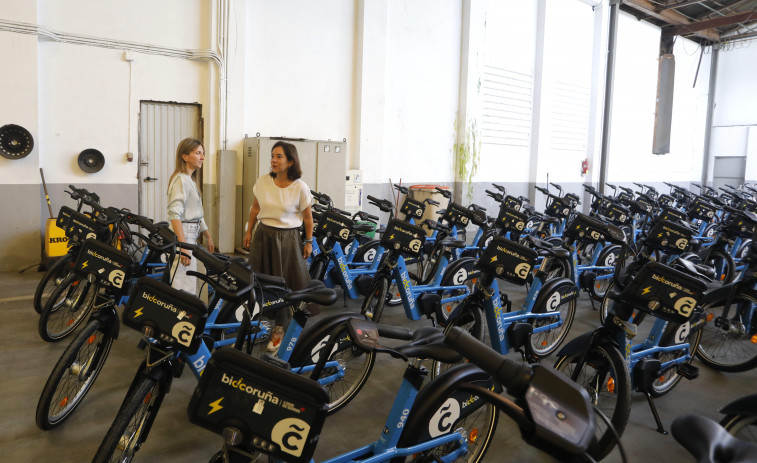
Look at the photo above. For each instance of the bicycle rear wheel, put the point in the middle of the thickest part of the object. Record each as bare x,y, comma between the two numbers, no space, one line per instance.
67,307
133,421
373,305
674,334
605,377
471,319
726,342
51,279
73,375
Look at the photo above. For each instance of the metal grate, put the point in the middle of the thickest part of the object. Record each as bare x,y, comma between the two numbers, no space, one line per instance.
506,106
570,117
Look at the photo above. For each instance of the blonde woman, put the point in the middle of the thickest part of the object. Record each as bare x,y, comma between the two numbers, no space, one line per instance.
185,211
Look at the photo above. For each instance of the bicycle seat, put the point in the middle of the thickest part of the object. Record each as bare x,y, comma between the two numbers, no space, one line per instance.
708,442
559,252
549,219
699,271
313,292
451,242
268,280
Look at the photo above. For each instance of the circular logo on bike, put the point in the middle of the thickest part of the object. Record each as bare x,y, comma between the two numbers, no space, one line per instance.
460,277
682,333
553,302
291,435
441,422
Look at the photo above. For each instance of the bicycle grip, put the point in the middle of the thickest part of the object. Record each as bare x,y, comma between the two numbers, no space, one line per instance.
513,375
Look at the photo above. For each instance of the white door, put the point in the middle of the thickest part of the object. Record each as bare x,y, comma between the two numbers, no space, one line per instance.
161,127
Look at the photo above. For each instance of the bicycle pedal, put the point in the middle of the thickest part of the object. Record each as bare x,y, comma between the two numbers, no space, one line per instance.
687,370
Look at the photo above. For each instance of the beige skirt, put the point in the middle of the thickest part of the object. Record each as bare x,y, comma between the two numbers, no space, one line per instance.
278,252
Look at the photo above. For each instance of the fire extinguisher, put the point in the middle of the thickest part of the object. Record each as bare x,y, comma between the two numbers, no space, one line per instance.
585,166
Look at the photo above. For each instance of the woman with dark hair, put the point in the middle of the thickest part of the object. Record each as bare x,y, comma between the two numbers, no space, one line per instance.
280,206
185,210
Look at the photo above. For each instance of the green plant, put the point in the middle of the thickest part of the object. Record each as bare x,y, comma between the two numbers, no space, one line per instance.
466,152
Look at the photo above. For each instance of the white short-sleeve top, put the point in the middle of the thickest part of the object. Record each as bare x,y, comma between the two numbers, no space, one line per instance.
281,207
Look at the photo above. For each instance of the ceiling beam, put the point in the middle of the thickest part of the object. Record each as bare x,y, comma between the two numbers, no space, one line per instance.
661,8
712,23
669,16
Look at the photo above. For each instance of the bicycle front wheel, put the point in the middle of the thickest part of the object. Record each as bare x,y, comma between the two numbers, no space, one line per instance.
73,375
604,376
470,318
674,334
545,342
726,342
51,279
133,421
373,305
67,307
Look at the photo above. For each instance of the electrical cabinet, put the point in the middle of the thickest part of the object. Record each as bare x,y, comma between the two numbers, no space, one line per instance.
323,162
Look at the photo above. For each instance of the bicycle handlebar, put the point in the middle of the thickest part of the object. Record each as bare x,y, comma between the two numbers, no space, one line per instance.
383,204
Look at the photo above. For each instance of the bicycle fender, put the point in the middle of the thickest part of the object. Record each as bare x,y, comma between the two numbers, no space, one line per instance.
320,329
432,415
580,343
453,274
108,317
554,293
742,406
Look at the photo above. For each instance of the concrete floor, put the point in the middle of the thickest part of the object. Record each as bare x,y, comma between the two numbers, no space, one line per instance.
27,360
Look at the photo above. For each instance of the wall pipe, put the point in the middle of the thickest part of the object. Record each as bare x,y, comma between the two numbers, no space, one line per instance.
609,77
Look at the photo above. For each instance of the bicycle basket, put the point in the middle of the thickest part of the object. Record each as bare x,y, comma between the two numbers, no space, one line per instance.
589,229
508,260
413,209
617,214
403,237
176,317
668,237
664,292
512,202
702,210
332,224
457,215
559,207
278,412
111,267
671,214
511,220
78,227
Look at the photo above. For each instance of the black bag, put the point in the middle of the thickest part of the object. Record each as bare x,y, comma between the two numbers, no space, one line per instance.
111,267
511,220
664,292
702,210
331,224
413,209
589,229
618,214
672,215
507,259
406,238
512,203
669,237
278,412
457,215
79,227
176,317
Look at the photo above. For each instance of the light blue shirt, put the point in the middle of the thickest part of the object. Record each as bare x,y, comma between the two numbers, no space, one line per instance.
184,202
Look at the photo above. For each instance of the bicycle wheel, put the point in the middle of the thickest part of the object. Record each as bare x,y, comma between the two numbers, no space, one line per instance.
66,308
133,421
458,275
544,343
471,319
607,258
725,268
318,268
233,314
51,279
455,409
558,268
427,269
73,375
605,377
373,305
674,334
356,362
726,342
744,427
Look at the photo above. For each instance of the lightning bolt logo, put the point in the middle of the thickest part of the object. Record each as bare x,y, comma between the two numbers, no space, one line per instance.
493,259
646,290
138,312
391,237
659,235
215,406
84,265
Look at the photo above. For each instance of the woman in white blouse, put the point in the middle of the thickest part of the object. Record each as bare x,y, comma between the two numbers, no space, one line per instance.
185,210
280,206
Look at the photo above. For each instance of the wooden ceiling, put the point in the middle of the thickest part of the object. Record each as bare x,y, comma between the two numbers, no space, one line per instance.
704,21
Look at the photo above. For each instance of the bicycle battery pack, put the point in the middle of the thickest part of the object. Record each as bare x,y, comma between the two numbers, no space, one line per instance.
669,237
457,215
277,412
334,225
404,237
664,292
510,219
589,229
111,267
507,259
176,317
413,209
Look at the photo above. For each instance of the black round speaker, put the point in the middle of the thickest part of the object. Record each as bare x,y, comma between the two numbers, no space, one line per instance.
91,160
15,141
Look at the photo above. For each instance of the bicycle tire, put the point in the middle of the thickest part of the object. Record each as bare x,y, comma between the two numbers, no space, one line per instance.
479,427
674,334
471,319
460,276
133,421
607,258
430,265
67,308
743,427
725,267
51,279
558,268
318,269
373,305
73,375
546,342
728,347
357,363
605,377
